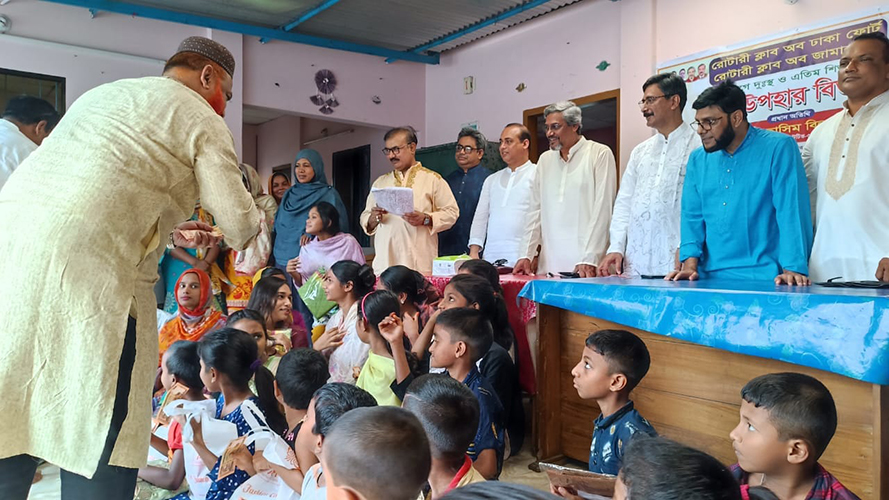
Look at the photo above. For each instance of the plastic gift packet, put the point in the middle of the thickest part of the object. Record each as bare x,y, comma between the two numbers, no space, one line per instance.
273,448
265,485
217,433
256,255
314,297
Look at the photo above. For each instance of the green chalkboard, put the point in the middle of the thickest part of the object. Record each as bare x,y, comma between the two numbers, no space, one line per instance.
441,158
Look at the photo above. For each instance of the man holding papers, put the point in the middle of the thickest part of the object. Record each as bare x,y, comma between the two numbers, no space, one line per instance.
411,239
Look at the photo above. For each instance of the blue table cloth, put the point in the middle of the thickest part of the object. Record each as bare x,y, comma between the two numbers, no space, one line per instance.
840,330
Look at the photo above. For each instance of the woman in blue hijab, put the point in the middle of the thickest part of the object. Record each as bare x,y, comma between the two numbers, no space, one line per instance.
310,187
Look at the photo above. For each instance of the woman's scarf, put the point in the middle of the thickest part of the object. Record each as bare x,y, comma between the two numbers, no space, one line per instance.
317,254
264,201
191,324
290,222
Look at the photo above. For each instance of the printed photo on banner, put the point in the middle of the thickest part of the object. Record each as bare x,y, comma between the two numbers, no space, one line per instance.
790,80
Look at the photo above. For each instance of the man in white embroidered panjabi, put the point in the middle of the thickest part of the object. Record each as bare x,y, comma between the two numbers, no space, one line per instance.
645,221
847,164
412,239
571,201
501,218
120,170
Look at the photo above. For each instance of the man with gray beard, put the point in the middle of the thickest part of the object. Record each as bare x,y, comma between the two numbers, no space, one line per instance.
572,198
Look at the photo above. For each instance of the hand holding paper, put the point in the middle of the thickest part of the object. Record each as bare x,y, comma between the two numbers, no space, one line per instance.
395,200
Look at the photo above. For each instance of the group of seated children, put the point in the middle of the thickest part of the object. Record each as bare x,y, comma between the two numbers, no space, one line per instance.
786,423
446,386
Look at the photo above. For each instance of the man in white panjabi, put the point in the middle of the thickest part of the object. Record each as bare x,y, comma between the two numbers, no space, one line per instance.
26,121
572,197
847,165
645,223
412,239
83,222
501,218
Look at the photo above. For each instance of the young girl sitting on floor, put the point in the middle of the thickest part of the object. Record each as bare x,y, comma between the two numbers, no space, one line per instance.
386,355
251,322
179,365
411,289
229,359
271,297
345,283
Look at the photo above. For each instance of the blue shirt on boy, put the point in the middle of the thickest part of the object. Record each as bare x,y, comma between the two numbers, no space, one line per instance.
746,215
490,434
611,434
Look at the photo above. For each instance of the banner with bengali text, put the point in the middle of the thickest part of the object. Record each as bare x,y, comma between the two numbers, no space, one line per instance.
790,79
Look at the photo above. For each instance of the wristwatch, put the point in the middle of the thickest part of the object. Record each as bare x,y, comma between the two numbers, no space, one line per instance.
427,221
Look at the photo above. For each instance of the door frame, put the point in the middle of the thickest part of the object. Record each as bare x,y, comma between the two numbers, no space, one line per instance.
529,118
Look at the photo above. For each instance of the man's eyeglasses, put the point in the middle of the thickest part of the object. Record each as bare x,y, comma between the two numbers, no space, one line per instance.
396,150
555,127
465,149
706,123
648,101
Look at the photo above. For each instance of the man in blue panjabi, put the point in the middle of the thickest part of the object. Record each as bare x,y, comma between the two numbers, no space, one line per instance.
745,204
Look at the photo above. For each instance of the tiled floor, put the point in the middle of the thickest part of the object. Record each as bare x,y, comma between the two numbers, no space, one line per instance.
515,470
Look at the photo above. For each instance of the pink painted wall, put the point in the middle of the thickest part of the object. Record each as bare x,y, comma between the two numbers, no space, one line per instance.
277,143
632,34
554,56
311,129
280,75
248,143
64,41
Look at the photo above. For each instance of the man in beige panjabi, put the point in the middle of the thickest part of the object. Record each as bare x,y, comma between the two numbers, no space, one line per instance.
82,225
412,239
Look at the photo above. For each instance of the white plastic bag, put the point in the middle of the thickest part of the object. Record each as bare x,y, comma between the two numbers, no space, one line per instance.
256,255
268,484
265,485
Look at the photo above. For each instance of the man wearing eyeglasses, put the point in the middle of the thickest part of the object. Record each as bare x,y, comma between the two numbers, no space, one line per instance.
466,184
572,197
745,204
412,239
847,159
645,223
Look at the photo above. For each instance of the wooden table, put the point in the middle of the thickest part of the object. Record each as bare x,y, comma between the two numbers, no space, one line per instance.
706,341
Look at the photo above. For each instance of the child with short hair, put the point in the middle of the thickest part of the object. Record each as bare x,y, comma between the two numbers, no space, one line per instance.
656,468
387,350
612,365
180,364
329,403
461,337
787,421
376,454
448,411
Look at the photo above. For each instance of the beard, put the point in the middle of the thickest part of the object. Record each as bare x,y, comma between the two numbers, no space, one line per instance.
726,138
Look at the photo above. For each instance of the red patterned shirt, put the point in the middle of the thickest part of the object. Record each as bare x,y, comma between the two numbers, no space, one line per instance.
826,486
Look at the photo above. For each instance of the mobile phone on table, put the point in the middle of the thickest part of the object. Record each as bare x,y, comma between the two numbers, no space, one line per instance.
653,276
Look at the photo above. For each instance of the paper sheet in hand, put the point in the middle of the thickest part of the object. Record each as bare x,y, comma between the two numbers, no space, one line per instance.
580,480
395,200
